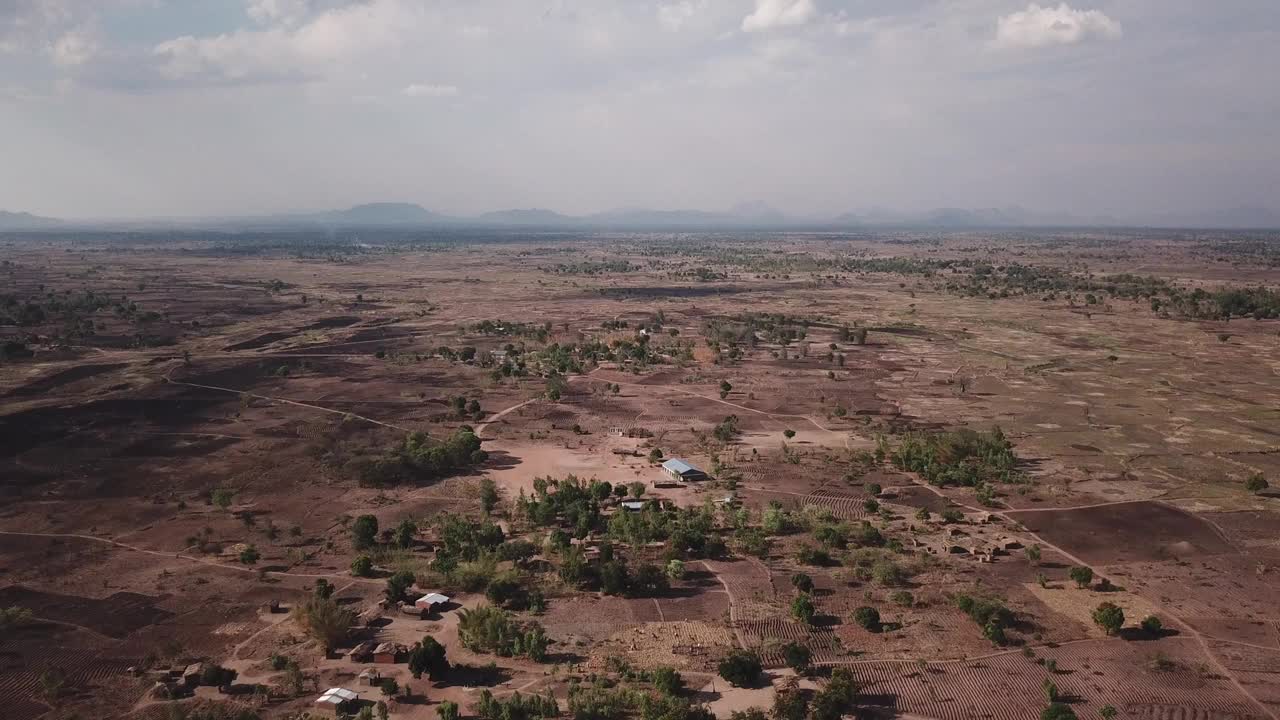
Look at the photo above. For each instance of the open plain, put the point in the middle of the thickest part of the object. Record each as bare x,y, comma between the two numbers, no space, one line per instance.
984,437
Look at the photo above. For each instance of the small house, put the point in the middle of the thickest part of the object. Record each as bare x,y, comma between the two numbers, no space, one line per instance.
363,652
634,505
370,677
431,602
388,652
338,699
683,471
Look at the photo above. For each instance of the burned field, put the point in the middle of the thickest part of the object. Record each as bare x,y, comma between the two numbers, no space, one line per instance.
922,463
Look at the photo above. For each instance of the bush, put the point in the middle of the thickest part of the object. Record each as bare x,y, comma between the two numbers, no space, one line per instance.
802,609
1152,625
250,555
1058,711
868,618
667,681
837,698
1082,576
398,584
362,566
1109,617
364,532
802,582
1256,483
740,668
428,657
903,598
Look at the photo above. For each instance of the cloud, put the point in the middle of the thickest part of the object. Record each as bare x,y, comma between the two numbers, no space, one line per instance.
673,15
778,13
323,43
435,91
73,48
1038,27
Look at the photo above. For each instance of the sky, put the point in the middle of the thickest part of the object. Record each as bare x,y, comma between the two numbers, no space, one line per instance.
168,108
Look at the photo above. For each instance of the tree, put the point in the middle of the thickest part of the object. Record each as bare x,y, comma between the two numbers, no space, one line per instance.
797,656
1081,575
324,589
636,489
802,609
362,566
1152,625
802,582
250,555
397,584
675,569
788,433
789,702
428,657
740,668
405,532
667,680
868,617
1058,711
1033,554
1256,483
447,710
1109,617
364,531
324,620
1108,712
15,616
837,698
488,495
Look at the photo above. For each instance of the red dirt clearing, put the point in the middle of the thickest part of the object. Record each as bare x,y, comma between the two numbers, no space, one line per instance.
1127,532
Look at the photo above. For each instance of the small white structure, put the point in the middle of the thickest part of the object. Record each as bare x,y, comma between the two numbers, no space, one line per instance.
336,697
429,601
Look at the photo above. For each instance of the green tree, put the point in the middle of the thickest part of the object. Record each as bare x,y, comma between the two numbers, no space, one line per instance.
405,532
428,656
667,680
250,555
837,698
364,532
797,656
802,609
1033,554
397,584
1108,712
488,495
324,620
362,566
675,569
788,433
740,668
1256,483
802,582
447,710
868,618
1152,625
222,498
1081,575
1109,617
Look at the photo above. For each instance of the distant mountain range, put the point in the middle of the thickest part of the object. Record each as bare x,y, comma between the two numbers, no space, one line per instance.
26,221
743,216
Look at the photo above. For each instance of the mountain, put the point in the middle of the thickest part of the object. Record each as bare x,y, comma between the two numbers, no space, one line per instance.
383,213
1237,218
26,221
530,216
758,213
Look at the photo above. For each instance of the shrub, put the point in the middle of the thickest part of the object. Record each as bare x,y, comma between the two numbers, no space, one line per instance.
868,618
802,609
1256,483
1081,575
1152,625
364,532
667,680
362,566
1109,617
429,657
324,620
802,582
1058,711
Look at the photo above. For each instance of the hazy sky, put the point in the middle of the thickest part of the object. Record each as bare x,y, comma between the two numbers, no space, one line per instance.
188,107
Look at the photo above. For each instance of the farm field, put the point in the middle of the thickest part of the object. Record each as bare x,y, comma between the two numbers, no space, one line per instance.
929,459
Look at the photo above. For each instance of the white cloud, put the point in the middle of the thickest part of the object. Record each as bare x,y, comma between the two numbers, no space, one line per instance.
778,13
73,48
323,43
673,15
435,91
1039,26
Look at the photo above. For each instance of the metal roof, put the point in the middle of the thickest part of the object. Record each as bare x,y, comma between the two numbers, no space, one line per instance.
337,696
434,598
679,466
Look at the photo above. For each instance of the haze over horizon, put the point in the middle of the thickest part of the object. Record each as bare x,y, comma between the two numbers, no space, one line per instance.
158,108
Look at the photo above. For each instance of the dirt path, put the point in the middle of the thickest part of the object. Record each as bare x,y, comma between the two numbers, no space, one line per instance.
182,556
1183,625
733,613
343,413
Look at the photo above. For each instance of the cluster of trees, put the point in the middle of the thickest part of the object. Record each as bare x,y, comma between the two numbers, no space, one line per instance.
516,707
990,614
323,619
961,457
419,458
493,630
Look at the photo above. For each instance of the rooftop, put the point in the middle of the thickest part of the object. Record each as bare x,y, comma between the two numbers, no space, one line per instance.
337,696
434,598
676,465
